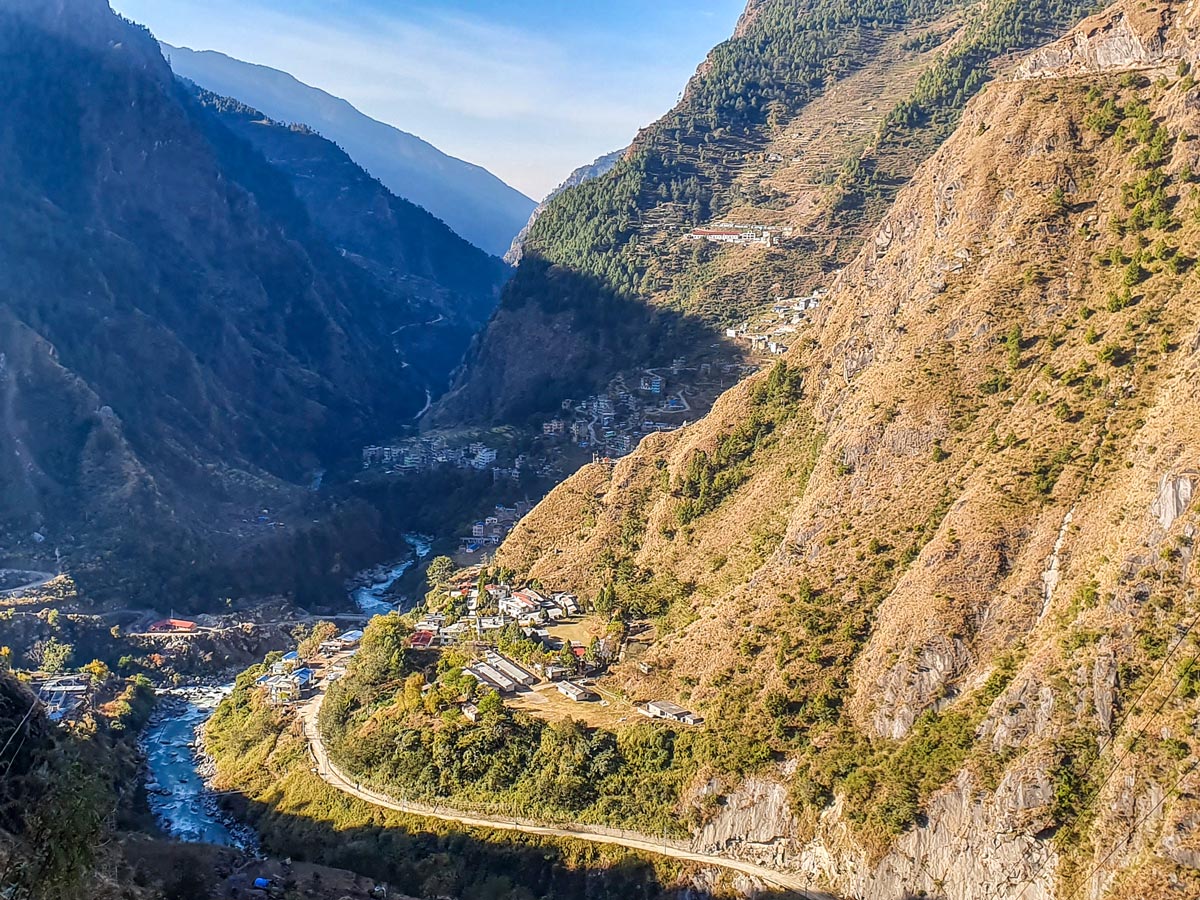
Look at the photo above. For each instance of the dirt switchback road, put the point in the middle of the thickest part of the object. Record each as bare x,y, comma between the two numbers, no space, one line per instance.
331,775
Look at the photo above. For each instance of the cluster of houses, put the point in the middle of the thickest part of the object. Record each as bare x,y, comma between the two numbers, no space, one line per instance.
770,332
501,674
614,422
526,608
424,454
745,235
504,676
290,679
492,530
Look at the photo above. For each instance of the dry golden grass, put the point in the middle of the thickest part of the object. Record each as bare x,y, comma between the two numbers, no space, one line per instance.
913,497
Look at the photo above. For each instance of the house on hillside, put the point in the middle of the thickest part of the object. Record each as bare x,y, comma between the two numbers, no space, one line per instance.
573,691
287,688
665,709
522,604
422,640
174,626
487,676
513,670
568,603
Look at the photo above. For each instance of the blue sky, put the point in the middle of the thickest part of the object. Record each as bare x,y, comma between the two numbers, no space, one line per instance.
528,88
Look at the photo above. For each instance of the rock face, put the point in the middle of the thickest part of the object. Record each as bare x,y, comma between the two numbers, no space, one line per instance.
1128,36
1174,497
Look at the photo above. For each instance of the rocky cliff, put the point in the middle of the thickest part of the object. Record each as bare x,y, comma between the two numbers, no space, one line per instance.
941,557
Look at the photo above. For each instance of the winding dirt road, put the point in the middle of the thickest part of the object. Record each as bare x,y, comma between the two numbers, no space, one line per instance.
334,777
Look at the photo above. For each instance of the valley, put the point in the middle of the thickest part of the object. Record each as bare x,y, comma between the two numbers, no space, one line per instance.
807,512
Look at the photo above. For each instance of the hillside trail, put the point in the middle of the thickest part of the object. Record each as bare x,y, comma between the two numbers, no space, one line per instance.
334,777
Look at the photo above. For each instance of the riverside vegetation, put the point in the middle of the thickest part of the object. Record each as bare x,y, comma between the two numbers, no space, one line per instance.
260,751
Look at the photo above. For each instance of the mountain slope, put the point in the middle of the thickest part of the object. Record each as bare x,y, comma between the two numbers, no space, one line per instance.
472,201
941,558
594,169
444,288
181,342
806,121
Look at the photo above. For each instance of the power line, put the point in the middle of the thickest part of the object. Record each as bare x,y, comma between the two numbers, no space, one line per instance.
1136,825
28,713
1117,727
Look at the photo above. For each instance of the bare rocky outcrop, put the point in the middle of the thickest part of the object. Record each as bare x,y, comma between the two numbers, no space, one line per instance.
1127,36
1175,494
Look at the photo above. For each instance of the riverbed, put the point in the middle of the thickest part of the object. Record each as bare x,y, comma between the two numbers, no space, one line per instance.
182,803
369,597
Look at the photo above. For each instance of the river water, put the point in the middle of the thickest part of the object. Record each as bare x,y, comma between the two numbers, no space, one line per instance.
175,789
370,597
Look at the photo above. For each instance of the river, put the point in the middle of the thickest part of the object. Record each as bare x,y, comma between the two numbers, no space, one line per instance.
175,789
175,781
370,597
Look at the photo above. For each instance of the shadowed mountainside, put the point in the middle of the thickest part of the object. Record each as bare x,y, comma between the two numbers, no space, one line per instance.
181,341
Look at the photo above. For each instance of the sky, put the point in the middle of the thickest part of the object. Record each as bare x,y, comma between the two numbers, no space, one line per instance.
530,89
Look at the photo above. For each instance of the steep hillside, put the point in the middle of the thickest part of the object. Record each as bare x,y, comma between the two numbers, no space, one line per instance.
940,558
65,793
805,123
180,342
470,199
594,169
443,288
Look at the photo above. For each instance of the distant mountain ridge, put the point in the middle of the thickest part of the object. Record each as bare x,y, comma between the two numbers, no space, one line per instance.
468,198
594,169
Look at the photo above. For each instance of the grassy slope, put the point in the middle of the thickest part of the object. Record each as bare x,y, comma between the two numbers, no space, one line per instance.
261,753
961,400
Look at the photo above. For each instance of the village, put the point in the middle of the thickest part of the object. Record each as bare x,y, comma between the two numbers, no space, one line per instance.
424,454
606,425
771,332
747,235
612,423
531,648
494,528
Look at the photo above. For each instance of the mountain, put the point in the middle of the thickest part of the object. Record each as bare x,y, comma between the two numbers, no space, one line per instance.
446,286
805,122
594,169
184,334
939,562
468,198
